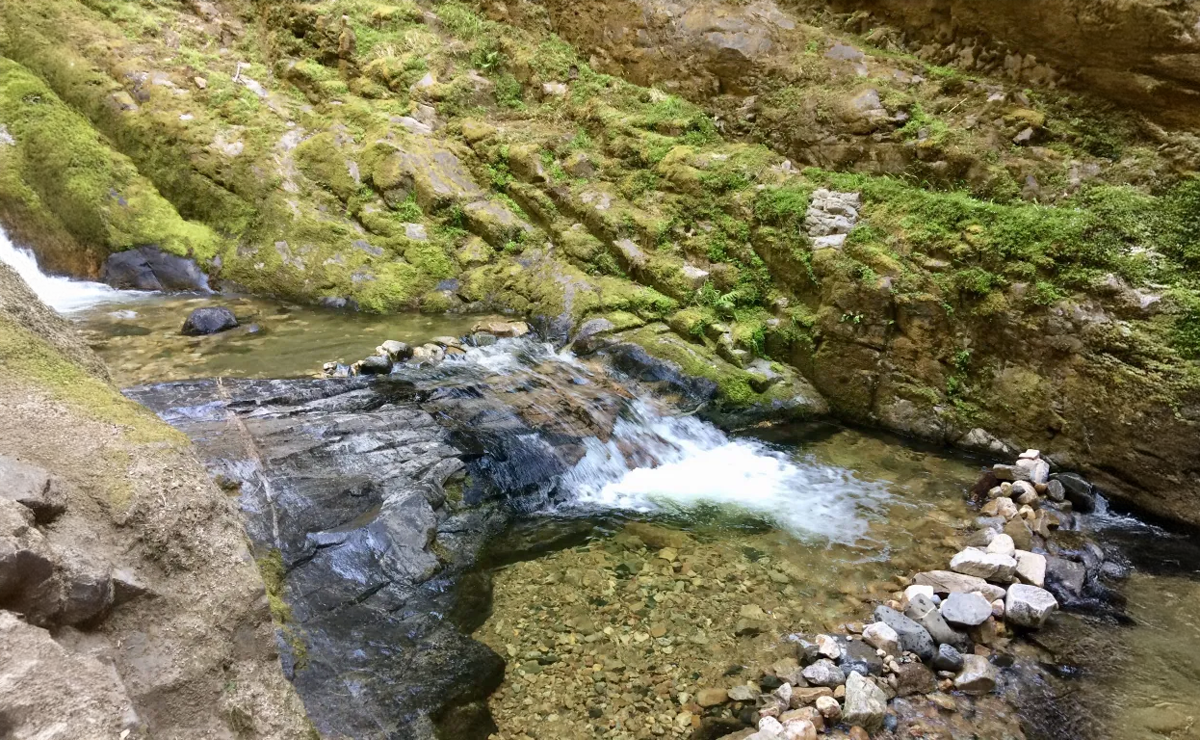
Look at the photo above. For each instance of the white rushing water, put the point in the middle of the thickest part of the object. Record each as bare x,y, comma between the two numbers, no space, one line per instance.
60,293
677,463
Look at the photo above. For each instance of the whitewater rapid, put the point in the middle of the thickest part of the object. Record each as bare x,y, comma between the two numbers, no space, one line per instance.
62,294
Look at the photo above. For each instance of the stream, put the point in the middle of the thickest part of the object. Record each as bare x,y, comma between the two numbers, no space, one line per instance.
615,552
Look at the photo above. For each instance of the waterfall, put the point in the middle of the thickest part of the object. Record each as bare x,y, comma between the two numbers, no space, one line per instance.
62,294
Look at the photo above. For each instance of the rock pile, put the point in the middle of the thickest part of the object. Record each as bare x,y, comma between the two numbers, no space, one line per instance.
392,352
830,218
938,635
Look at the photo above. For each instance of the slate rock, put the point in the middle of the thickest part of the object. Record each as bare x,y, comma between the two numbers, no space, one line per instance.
948,658
924,612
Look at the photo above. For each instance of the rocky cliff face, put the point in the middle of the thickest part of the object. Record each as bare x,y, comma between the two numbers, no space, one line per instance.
750,190
129,604
1144,54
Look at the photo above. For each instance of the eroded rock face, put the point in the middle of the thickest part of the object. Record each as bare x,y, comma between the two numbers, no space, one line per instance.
375,515
150,268
1144,54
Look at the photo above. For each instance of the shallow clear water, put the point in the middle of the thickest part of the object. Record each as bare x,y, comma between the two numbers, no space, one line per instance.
141,342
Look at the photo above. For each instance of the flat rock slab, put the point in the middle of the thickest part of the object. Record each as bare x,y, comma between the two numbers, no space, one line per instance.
948,582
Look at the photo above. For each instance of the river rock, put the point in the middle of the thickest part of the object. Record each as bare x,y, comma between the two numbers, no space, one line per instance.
501,328
882,637
982,564
373,365
914,678
1031,568
208,320
824,673
1002,544
858,657
965,610
1078,491
395,351
1038,470
829,707
711,697
1002,506
799,729
1056,491
1067,575
947,581
978,676
1029,606
1010,472
1024,493
828,647
948,658
429,354
1021,534
924,612
912,636
150,268
915,589
803,696
865,703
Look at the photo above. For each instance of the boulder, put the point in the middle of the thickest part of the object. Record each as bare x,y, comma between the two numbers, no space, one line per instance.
982,564
1064,574
912,636
965,610
394,350
1056,491
1028,606
502,328
1031,568
865,703
1038,470
858,657
1078,491
978,676
373,365
209,320
150,268
1010,472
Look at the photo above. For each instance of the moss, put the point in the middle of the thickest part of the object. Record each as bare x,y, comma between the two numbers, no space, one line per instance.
321,159
734,388
273,571
25,357
96,193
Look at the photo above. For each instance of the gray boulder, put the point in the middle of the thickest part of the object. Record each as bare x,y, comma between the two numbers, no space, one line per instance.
948,658
150,268
1078,491
913,637
965,610
209,320
32,487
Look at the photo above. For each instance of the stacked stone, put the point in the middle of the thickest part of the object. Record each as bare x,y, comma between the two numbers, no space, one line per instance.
937,635
392,352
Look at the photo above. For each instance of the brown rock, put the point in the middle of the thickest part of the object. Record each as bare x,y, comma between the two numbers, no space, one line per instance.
711,697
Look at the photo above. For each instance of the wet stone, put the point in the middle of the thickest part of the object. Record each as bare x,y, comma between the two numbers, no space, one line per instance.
965,610
209,320
978,676
865,703
948,658
913,637
824,673
914,678
1029,606
925,613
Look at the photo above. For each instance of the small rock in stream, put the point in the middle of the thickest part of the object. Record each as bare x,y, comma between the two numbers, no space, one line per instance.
208,320
1029,606
982,564
978,676
924,612
879,635
948,659
824,673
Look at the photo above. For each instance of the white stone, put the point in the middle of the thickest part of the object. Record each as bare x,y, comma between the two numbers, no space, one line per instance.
828,647
830,241
828,707
1028,606
1039,470
879,635
770,724
912,591
1031,568
1030,454
1002,544
982,564
800,729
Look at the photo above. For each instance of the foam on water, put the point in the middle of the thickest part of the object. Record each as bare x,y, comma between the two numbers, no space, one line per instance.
61,294
676,463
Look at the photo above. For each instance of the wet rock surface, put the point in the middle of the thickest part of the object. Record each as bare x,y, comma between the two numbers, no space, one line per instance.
204,321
